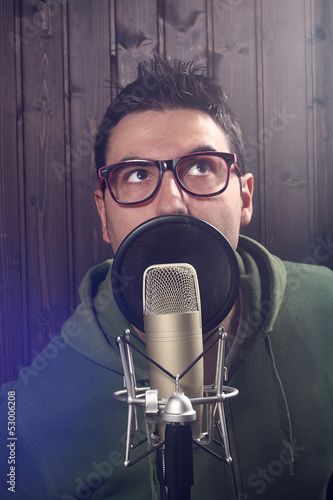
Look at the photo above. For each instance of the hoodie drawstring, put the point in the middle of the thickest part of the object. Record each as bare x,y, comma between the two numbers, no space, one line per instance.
285,403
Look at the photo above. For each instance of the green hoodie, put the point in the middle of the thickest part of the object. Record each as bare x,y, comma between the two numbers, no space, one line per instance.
71,432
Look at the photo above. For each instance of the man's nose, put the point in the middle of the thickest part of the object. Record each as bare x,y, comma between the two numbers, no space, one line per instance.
170,197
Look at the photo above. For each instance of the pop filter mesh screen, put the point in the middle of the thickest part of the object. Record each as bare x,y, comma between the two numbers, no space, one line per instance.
170,240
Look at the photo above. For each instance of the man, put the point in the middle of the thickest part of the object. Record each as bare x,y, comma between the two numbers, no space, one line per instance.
70,432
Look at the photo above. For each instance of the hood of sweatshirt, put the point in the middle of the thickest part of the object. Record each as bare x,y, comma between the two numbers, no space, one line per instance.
263,281
97,321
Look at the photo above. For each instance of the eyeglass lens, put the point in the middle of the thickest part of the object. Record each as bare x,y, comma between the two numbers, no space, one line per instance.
136,181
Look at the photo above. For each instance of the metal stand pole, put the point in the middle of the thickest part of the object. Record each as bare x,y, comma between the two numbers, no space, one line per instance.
178,415
178,461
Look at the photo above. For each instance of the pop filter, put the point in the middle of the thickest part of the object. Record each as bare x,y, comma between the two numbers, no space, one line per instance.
172,239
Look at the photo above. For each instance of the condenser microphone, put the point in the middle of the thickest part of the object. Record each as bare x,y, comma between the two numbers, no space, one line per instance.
173,331
170,312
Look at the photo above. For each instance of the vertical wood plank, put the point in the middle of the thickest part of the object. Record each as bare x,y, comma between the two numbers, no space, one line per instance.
285,129
89,70
210,8
45,208
310,116
113,47
186,30
235,66
161,27
260,180
321,40
137,36
67,159
12,332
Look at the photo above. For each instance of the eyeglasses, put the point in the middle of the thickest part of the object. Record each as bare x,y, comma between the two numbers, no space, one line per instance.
203,174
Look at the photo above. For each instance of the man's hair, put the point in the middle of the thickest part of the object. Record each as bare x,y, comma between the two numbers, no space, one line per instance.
167,85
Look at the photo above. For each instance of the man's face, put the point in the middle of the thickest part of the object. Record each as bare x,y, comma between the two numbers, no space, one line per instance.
162,135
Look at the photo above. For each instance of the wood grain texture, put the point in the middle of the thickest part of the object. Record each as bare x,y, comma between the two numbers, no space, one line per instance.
13,336
56,57
321,41
186,30
234,56
47,285
284,135
136,35
89,43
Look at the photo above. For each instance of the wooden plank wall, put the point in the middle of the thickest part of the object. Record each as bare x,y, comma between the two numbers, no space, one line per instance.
56,57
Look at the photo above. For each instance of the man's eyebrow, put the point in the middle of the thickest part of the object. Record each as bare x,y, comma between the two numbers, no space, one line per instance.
203,147
130,158
198,149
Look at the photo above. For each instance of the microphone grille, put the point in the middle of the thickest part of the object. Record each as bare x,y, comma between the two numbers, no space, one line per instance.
170,289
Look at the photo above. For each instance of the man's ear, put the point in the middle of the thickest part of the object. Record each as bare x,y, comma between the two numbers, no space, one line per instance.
246,193
100,203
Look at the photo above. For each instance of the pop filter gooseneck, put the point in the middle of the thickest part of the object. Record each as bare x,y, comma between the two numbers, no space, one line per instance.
173,239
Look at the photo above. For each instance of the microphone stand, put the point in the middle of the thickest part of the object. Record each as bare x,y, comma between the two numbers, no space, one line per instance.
177,413
178,461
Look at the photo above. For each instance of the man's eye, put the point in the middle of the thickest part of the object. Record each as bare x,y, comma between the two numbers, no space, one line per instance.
200,168
138,175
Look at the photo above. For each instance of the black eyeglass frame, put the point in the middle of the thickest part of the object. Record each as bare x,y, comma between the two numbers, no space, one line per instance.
163,165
